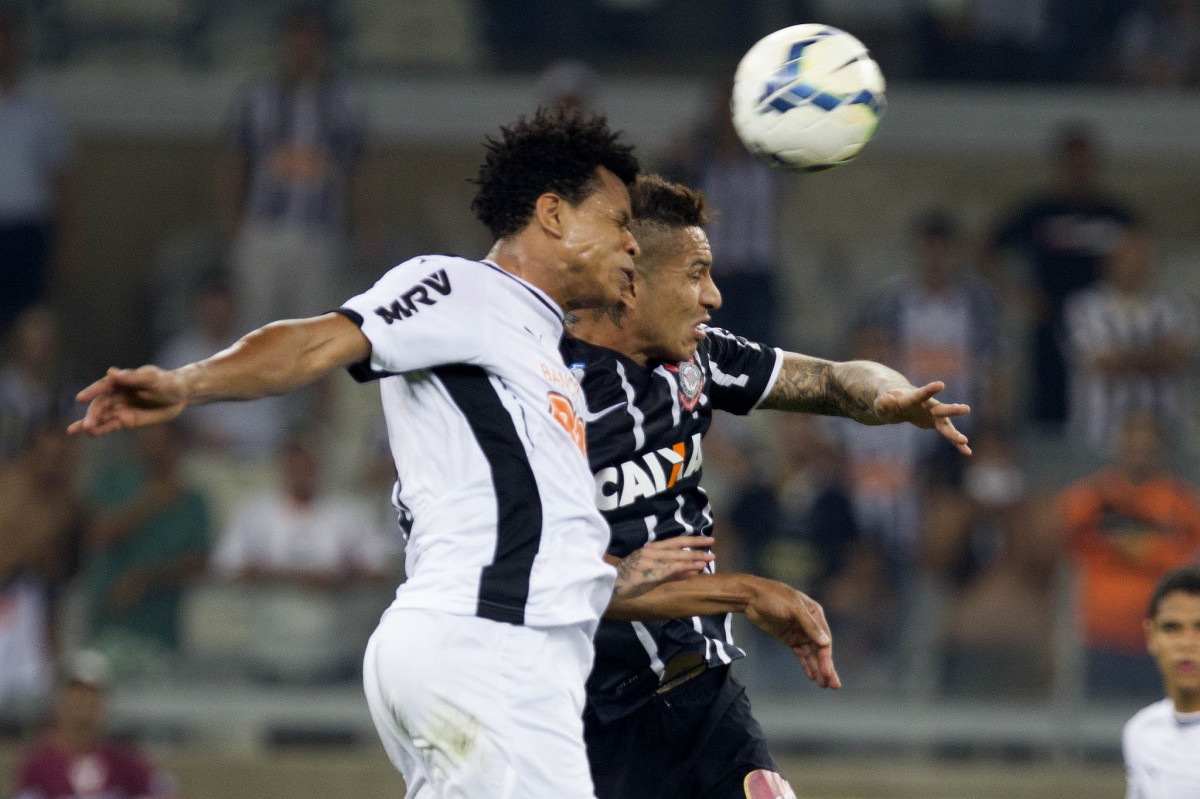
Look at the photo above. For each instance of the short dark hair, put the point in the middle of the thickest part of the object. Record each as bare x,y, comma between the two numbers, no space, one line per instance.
556,151
662,202
1184,578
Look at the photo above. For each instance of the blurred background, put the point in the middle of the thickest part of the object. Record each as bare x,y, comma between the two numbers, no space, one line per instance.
174,173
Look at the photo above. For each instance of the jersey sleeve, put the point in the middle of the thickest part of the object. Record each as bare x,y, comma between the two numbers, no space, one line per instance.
741,372
426,312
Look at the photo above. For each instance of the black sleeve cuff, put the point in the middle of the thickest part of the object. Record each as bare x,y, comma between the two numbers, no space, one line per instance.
361,371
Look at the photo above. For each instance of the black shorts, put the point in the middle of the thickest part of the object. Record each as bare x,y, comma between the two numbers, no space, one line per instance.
696,741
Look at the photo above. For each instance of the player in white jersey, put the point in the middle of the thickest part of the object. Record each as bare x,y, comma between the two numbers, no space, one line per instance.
475,676
1162,742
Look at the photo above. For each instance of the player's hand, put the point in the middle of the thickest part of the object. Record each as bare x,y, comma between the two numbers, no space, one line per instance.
128,398
798,621
918,406
660,562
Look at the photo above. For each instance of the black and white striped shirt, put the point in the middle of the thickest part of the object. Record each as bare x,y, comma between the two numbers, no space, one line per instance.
644,429
300,142
1102,321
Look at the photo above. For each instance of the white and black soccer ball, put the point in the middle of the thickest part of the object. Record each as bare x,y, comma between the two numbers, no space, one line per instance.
807,98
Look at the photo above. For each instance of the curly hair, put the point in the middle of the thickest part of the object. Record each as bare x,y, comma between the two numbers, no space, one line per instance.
556,151
661,202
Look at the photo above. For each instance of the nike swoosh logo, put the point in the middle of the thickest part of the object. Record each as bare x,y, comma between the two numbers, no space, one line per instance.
589,417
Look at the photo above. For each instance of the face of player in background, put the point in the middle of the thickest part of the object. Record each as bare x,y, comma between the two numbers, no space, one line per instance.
80,709
1173,638
675,294
598,247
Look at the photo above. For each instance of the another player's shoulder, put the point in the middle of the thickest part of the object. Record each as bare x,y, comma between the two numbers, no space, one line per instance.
1148,719
584,353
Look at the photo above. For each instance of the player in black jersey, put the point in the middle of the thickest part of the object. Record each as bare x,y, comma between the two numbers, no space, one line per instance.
664,719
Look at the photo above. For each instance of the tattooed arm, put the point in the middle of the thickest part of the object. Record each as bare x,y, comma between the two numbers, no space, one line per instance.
865,391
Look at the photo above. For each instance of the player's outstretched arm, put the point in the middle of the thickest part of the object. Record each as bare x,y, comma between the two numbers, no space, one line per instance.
866,391
274,359
781,611
659,562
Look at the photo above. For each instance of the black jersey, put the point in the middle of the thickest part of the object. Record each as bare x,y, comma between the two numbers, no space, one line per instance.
644,428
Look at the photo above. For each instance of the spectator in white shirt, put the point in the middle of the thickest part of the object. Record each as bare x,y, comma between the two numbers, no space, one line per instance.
297,536
1161,742
242,430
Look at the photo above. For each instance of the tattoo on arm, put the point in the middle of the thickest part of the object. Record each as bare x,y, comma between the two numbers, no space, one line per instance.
810,385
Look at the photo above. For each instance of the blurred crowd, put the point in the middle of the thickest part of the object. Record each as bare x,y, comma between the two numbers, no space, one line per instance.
244,541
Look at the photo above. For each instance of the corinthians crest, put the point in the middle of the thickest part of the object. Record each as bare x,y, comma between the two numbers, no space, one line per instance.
691,383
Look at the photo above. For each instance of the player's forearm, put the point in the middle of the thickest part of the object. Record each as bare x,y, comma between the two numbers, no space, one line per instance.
272,360
813,385
702,595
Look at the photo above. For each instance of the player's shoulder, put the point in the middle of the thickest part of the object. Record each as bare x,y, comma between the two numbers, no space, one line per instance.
1154,715
584,353
718,340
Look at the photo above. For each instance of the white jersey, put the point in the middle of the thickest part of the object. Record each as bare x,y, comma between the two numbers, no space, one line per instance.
1162,753
485,428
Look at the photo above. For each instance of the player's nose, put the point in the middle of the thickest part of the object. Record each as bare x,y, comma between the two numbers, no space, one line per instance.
710,295
630,245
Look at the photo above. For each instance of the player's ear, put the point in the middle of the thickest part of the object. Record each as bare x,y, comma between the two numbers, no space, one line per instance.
548,213
1148,629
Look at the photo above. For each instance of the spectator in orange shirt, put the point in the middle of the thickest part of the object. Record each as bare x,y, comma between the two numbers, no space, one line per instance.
1126,525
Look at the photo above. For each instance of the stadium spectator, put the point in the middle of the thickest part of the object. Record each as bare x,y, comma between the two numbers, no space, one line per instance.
1125,526
297,536
287,177
76,759
1063,233
146,542
1129,347
883,476
33,382
744,193
984,40
942,322
1159,44
244,430
1161,741
796,524
311,563
994,554
37,237
40,523
571,85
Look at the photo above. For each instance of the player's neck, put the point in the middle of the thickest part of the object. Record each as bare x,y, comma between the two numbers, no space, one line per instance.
606,328
1186,701
517,256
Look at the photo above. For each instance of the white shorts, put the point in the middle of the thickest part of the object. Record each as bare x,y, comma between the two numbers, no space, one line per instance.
469,708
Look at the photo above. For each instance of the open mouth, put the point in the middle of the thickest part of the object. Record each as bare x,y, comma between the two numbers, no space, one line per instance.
627,276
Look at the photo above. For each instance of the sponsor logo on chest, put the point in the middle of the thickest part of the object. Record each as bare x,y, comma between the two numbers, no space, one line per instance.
648,475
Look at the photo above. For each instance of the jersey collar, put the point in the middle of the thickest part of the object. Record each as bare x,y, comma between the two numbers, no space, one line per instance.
540,295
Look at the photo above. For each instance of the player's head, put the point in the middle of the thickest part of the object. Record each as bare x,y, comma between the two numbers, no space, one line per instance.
1173,632
673,291
559,182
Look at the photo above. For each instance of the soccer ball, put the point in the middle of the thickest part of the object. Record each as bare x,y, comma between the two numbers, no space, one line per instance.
807,98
